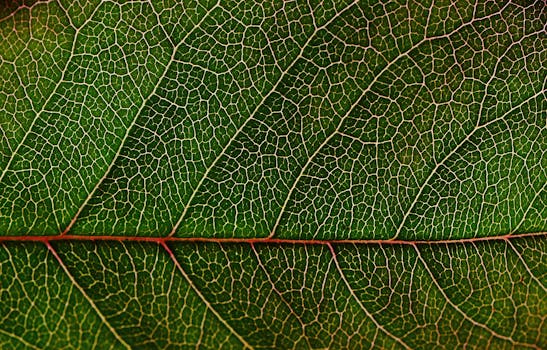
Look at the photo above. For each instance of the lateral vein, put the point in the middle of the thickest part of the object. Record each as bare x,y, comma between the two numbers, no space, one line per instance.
202,297
251,117
89,300
460,311
369,315
134,121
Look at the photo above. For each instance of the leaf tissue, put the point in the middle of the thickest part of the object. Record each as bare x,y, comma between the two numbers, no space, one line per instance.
185,174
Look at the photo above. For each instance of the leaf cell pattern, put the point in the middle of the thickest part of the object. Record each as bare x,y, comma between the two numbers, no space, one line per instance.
289,175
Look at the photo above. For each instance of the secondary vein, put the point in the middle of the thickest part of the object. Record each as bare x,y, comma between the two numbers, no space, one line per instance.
202,297
89,300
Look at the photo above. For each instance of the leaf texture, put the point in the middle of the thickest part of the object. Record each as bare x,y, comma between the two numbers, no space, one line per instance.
275,175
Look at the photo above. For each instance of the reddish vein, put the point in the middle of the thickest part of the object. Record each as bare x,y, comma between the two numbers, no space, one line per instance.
265,240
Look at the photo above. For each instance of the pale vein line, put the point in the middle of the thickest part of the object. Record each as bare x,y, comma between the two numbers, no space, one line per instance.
202,330
274,288
526,267
451,153
53,91
202,297
532,202
460,311
134,121
18,338
24,7
352,107
481,104
65,11
251,117
484,278
327,140
536,195
362,142
32,301
348,286
101,316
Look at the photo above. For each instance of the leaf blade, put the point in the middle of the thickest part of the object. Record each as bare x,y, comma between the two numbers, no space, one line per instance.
273,175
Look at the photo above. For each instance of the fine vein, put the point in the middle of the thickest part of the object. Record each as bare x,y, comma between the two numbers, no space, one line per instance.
251,116
89,300
460,311
202,297
369,315
133,122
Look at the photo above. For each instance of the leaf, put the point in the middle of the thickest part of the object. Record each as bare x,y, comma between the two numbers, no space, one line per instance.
273,175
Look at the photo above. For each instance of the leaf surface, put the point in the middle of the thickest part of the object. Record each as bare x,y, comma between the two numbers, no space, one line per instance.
275,175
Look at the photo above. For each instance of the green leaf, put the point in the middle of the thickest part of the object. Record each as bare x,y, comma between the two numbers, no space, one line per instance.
281,175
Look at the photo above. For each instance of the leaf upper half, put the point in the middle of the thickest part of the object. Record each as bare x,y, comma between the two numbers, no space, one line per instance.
374,122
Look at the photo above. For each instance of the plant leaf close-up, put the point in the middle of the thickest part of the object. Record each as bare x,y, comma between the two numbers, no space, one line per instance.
183,174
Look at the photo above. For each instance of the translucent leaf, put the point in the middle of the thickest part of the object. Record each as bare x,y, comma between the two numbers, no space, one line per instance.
292,174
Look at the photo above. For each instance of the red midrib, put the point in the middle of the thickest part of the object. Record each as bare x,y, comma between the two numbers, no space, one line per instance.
163,240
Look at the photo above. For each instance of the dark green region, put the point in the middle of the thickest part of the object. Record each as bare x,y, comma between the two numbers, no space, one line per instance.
8,7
